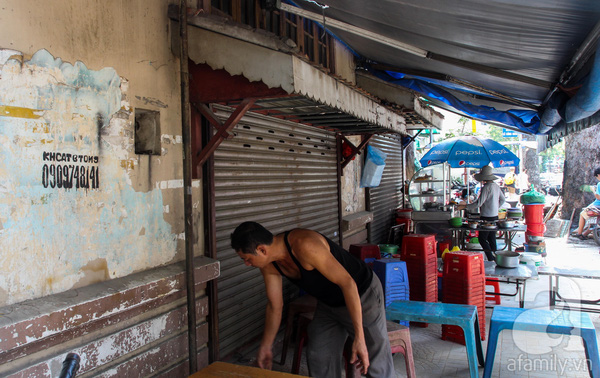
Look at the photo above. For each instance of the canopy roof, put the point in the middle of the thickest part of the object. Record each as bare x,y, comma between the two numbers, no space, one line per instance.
501,61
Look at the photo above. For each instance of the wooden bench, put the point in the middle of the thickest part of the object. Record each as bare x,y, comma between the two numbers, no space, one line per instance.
464,316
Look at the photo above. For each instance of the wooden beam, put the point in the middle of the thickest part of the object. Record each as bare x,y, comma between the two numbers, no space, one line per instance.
356,150
209,115
223,130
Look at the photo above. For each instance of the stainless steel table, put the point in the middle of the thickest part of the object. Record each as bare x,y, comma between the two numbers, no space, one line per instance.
554,275
517,276
458,235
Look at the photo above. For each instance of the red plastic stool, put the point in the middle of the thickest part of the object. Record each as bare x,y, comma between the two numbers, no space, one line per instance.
398,334
493,282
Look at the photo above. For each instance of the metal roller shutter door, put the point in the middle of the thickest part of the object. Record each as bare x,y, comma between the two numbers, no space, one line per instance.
387,197
282,175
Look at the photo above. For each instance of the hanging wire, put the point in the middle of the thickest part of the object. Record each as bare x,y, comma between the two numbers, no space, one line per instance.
317,4
323,7
324,25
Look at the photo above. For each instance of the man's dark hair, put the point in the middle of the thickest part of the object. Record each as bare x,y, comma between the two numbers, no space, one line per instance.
596,171
249,235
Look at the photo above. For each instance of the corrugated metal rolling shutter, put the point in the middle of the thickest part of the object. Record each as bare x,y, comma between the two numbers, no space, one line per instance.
387,197
282,175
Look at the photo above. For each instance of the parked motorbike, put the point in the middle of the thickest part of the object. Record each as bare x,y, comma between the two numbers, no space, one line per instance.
593,225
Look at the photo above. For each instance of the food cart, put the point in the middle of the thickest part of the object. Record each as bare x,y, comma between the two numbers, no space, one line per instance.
429,195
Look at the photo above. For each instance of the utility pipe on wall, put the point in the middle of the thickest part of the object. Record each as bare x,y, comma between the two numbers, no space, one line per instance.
187,186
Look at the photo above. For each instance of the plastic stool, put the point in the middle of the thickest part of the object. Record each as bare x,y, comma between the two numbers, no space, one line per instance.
464,316
303,321
493,282
546,321
398,334
304,304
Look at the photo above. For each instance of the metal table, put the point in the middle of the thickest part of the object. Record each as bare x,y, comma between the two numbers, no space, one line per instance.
554,275
517,276
458,235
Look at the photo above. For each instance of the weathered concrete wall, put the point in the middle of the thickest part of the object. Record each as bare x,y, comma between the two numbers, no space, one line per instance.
344,62
77,205
132,326
353,196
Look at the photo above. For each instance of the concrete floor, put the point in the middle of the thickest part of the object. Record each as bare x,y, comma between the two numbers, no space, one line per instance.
519,354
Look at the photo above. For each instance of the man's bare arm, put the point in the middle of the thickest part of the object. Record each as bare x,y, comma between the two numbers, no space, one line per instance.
273,286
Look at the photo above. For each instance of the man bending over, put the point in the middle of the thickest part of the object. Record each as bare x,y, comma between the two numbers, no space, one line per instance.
350,298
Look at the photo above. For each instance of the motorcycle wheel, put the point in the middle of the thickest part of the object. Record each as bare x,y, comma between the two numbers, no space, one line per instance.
596,234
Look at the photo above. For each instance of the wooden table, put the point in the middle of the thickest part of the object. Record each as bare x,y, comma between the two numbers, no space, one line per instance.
223,369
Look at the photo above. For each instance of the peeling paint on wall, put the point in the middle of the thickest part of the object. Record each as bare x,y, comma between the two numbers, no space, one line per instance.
67,200
352,194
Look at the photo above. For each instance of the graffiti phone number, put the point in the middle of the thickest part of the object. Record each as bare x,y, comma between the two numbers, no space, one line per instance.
70,176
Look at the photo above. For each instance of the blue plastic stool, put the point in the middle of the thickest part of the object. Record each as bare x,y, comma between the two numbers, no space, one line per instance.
464,316
547,321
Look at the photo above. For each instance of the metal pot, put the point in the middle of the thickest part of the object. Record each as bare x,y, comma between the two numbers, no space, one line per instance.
507,259
506,224
535,239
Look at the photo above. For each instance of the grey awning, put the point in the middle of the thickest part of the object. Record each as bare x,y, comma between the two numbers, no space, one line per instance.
502,53
316,98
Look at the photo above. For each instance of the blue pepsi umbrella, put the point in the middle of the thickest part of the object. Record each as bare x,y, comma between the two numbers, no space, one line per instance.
470,152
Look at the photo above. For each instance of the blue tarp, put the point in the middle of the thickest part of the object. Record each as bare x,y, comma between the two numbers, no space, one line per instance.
524,120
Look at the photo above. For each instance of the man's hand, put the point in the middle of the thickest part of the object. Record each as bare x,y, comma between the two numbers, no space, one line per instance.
265,358
360,355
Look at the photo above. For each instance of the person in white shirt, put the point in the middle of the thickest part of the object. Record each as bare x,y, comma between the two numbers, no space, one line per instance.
489,201
523,181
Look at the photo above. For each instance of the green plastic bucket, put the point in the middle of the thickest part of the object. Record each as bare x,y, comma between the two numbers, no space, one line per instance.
388,249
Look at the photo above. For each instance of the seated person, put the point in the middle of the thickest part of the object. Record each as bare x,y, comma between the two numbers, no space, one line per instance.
509,181
583,216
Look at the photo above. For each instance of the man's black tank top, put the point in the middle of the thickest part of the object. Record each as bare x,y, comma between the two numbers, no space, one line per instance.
315,284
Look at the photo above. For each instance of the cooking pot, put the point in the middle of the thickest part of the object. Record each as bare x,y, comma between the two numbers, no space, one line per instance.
507,259
533,259
535,239
506,224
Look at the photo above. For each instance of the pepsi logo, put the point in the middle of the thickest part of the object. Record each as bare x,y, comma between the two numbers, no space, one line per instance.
461,163
429,162
501,162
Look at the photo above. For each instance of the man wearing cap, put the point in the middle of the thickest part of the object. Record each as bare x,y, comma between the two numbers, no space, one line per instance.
489,201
